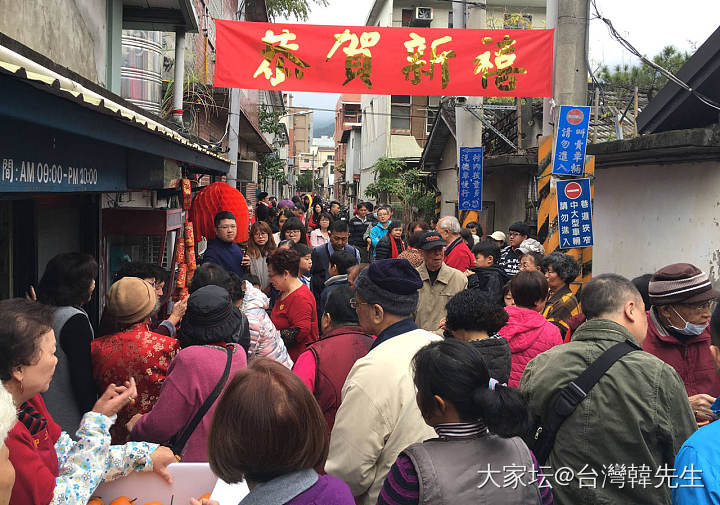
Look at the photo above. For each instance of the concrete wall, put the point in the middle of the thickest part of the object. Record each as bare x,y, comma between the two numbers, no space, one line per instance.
72,33
508,189
447,179
441,12
649,216
375,136
352,155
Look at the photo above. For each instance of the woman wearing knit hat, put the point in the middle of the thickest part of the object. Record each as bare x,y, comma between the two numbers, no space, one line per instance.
682,301
133,350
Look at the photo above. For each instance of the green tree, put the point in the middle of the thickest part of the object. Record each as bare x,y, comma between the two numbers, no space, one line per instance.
298,9
643,76
394,179
305,181
272,168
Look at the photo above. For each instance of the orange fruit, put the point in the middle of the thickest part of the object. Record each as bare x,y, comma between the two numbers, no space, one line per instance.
206,496
153,503
123,500
95,501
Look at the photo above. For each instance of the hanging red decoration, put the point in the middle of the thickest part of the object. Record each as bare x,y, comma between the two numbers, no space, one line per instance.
217,197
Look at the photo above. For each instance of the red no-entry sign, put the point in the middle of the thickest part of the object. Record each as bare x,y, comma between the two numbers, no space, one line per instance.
575,116
573,190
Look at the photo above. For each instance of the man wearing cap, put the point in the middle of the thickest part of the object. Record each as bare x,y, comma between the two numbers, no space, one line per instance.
636,417
457,253
702,450
133,350
682,300
440,282
510,255
378,416
499,238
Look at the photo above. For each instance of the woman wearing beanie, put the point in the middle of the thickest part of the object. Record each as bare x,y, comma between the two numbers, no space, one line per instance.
527,331
478,424
210,326
133,350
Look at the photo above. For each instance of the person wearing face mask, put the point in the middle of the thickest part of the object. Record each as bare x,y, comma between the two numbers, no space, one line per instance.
682,300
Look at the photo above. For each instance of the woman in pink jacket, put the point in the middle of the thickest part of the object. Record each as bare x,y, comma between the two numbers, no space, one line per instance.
527,331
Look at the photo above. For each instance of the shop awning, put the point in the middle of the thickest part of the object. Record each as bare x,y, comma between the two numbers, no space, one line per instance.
46,101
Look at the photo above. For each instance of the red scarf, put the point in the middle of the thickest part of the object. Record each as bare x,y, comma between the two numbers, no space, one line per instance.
393,244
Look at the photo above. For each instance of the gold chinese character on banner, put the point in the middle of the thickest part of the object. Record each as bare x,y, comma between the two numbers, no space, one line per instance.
503,64
358,59
416,58
278,52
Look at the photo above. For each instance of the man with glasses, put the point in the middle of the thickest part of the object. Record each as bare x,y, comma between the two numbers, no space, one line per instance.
510,255
377,417
223,250
339,234
682,301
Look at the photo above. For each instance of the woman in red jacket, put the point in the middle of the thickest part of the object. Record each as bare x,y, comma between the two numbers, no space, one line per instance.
527,331
50,468
294,313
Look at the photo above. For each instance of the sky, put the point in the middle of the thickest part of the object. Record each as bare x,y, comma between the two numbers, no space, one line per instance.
649,25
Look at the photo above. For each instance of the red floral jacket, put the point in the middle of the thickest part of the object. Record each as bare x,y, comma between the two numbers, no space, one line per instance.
135,352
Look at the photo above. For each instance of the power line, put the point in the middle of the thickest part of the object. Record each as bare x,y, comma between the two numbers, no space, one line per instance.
669,75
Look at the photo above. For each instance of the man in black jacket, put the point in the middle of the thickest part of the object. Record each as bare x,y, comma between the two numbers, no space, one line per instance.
358,225
486,276
321,256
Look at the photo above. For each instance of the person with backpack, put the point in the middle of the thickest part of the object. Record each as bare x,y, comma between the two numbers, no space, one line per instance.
633,411
478,424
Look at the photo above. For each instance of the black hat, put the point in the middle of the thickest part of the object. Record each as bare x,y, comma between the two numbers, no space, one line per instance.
392,283
431,240
212,317
521,228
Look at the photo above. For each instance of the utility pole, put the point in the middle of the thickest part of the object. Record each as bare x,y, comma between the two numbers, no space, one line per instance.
468,128
234,122
570,20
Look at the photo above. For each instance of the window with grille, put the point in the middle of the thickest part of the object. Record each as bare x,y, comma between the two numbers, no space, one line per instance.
400,114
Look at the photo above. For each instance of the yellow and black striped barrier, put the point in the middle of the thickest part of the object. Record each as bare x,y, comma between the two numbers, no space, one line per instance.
547,225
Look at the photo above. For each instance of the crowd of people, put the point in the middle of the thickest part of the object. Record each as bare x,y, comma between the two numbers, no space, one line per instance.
336,360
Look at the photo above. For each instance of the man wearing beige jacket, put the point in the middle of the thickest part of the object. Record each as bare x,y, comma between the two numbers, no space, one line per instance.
378,416
440,283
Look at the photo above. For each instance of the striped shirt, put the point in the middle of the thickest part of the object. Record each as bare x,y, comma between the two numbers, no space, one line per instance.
401,485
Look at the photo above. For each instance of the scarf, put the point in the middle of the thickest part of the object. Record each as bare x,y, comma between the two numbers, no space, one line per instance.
31,418
393,244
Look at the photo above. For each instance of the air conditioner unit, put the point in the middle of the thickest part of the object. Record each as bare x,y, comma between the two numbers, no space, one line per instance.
247,171
423,16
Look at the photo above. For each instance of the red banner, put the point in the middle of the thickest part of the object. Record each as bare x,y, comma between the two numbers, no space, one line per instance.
383,61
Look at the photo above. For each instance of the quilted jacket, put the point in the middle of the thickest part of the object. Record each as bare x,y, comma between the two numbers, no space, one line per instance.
265,339
528,334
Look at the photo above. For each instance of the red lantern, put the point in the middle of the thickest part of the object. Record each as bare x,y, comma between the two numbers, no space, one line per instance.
214,198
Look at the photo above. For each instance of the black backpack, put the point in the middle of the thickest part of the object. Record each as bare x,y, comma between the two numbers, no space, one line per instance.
566,401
